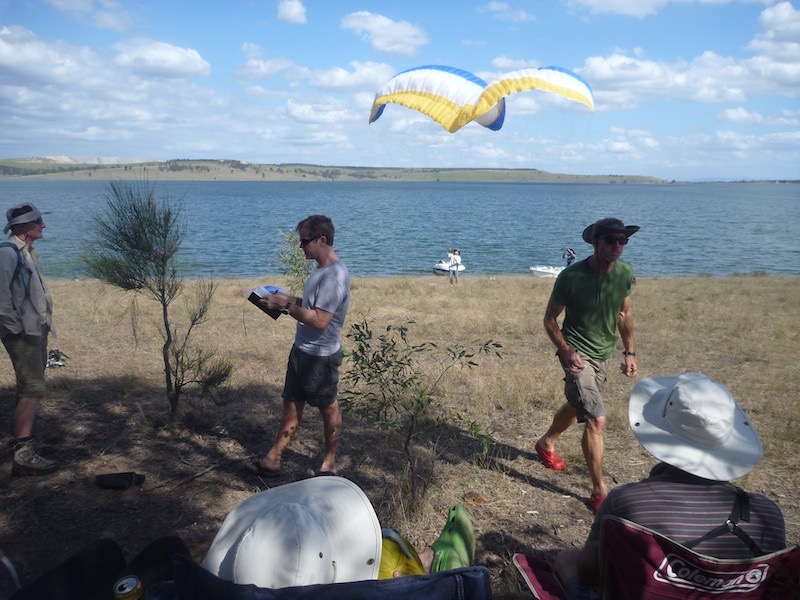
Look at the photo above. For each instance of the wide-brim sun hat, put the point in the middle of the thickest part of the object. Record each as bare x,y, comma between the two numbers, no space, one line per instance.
693,423
608,225
318,530
22,213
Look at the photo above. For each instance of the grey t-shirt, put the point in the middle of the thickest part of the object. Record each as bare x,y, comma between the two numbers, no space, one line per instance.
327,288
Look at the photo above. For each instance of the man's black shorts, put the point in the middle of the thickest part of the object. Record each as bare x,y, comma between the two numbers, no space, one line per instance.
312,379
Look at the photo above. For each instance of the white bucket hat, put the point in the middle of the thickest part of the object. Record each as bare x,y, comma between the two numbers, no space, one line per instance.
318,530
693,423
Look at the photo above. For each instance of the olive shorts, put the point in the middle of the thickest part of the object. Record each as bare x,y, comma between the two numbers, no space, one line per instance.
28,355
584,390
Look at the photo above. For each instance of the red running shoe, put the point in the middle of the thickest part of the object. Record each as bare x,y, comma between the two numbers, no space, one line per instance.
551,460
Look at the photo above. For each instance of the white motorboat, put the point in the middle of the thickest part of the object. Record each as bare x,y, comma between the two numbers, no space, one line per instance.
546,270
443,267
567,253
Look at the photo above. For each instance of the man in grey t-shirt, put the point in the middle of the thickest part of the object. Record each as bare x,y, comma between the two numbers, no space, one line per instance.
312,375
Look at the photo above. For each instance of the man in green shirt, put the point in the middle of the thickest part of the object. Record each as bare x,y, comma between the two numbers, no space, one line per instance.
595,293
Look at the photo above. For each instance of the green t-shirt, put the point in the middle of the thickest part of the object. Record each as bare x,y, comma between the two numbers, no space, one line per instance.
592,301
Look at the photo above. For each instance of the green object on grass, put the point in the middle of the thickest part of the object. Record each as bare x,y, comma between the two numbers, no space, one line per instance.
455,546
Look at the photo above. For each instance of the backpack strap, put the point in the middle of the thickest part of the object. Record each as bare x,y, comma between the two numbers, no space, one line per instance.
740,512
20,266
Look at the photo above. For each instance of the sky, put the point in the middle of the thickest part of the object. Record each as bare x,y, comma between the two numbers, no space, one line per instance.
683,89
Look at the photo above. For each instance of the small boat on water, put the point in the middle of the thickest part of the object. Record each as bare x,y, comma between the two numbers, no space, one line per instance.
443,267
567,253
546,270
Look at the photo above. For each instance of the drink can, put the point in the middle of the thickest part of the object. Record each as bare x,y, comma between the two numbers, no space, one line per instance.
129,588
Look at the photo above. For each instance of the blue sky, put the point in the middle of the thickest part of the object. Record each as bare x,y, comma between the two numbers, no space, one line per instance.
683,89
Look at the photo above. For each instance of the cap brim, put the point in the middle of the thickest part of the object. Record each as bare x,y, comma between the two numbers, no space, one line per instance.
735,457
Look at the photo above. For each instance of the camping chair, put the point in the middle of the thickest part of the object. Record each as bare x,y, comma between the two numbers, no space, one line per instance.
639,563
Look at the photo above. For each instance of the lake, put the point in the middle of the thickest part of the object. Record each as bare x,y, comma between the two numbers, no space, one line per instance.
403,228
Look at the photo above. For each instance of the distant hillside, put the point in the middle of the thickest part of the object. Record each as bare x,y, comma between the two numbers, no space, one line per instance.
61,167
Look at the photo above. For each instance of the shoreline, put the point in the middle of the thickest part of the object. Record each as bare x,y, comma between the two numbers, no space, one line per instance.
234,170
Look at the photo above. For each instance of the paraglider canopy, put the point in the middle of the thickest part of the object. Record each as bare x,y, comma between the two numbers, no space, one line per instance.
453,97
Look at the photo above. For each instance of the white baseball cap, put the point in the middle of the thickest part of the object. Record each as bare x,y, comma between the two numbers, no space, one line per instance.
318,530
693,423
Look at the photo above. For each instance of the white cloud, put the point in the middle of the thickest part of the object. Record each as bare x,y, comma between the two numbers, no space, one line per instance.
257,67
292,11
779,35
385,35
104,14
27,60
158,59
746,117
363,76
323,110
620,80
505,63
740,115
630,8
502,11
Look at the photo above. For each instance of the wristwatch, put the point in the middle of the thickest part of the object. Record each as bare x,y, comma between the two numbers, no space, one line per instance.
626,353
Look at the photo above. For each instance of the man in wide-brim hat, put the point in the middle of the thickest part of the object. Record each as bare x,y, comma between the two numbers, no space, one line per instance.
26,317
595,293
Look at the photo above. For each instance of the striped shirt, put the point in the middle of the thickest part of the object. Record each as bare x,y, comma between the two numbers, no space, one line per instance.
684,508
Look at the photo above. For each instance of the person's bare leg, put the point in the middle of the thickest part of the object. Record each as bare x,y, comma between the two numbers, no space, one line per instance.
292,415
593,446
332,430
562,421
25,415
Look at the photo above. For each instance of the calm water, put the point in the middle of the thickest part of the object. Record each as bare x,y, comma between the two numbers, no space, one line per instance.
404,228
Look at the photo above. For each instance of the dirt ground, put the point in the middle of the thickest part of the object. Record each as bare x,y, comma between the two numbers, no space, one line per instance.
193,478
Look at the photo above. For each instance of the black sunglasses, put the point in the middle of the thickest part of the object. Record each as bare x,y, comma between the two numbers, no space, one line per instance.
305,242
612,239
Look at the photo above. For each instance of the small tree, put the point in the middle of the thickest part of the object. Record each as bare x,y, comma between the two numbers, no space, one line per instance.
387,386
291,261
137,243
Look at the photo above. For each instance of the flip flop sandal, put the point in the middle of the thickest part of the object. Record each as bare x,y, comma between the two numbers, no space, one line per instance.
551,460
255,468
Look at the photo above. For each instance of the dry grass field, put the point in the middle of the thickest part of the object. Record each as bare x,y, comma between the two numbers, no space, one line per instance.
106,412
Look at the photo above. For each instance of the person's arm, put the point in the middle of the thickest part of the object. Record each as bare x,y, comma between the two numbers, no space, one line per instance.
567,354
625,326
313,317
9,318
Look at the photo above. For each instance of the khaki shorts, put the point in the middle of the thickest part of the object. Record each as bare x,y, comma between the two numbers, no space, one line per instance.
584,390
28,354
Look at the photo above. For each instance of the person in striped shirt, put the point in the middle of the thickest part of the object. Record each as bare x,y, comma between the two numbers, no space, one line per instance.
703,440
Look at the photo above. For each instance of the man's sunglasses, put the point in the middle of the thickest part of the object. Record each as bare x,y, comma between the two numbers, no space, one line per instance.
305,242
612,239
